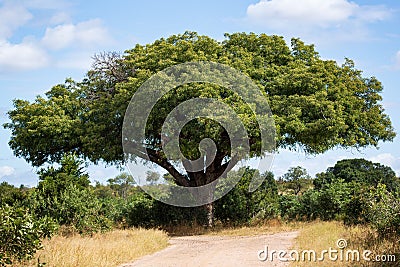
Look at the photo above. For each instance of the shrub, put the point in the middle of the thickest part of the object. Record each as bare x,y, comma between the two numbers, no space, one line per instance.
384,211
139,210
76,208
332,200
11,195
290,206
240,205
21,234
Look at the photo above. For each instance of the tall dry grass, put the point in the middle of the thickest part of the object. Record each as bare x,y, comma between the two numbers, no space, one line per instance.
100,250
319,236
365,238
271,226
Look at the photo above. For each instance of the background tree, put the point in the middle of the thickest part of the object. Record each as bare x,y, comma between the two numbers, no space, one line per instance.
152,177
53,181
296,179
317,104
360,171
121,184
12,195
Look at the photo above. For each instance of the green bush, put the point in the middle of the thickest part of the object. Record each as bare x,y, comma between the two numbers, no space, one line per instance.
290,206
383,209
11,195
21,234
330,202
240,205
139,210
142,210
76,208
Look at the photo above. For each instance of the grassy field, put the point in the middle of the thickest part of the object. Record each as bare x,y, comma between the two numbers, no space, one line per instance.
100,250
259,228
319,236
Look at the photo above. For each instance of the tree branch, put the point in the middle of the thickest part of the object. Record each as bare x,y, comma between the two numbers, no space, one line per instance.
155,157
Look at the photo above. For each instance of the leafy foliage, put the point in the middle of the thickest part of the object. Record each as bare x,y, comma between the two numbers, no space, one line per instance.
52,181
360,171
296,179
355,190
63,194
11,195
383,209
240,205
21,234
317,104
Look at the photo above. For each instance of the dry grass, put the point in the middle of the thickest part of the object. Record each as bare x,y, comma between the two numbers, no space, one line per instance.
319,236
365,238
266,227
107,249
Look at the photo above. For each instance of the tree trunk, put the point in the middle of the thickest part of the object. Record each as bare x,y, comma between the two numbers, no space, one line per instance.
210,214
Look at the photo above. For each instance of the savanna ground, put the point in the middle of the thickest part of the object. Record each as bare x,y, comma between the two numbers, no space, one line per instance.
221,246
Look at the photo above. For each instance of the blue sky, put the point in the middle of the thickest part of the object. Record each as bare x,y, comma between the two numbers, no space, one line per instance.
42,42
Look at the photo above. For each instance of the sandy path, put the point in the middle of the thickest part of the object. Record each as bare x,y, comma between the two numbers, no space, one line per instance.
218,251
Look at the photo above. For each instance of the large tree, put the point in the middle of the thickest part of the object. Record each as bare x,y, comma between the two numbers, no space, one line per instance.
359,171
317,104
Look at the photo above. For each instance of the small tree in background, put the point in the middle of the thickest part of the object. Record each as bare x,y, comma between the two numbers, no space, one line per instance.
121,184
63,194
53,181
296,179
152,177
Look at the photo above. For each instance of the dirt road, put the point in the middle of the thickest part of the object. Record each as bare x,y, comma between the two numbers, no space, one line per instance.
218,251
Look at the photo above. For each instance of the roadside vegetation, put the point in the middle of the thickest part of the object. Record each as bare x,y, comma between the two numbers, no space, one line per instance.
323,235
356,199
100,249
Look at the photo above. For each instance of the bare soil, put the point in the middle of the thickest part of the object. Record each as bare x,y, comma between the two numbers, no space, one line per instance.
218,251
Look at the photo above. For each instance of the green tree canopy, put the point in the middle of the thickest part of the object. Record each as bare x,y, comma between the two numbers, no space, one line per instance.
359,171
121,184
54,181
296,179
317,104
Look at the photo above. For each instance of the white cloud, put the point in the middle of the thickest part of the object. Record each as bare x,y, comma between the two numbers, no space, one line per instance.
6,171
22,56
283,13
387,159
279,12
11,18
75,60
336,19
60,18
86,33
62,43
